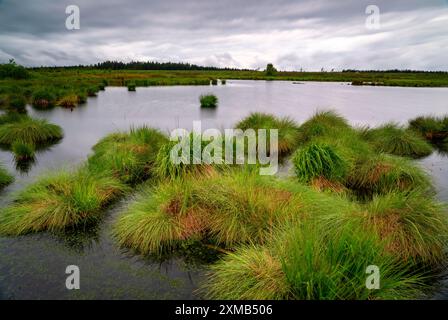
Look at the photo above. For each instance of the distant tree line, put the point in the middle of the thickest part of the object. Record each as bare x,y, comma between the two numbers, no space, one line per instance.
144,65
393,71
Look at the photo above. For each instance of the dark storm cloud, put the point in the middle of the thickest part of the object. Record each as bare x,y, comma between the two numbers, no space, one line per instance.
250,33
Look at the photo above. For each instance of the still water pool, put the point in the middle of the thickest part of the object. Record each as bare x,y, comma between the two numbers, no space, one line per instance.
33,266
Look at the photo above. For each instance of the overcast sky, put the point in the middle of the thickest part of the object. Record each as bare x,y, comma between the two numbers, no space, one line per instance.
292,34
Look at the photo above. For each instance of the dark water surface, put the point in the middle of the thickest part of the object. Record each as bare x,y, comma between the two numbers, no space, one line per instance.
33,266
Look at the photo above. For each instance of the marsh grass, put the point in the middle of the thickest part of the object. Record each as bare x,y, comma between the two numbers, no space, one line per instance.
17,103
433,129
394,139
323,123
381,174
328,264
131,86
414,225
22,151
44,99
92,91
251,273
129,156
227,209
319,160
159,219
69,101
208,101
30,131
59,201
5,177
287,130
190,163
309,261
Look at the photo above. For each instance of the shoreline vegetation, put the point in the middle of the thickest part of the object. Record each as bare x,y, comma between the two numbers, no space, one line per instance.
350,203
68,87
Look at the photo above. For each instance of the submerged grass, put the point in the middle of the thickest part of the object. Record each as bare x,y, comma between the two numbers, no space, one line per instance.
394,139
59,201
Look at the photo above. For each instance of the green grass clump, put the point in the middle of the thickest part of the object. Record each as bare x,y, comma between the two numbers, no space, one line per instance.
92,91
30,131
69,101
17,102
223,81
10,117
59,201
329,264
393,139
231,208
190,164
214,82
325,123
208,101
131,86
22,151
381,174
44,99
414,225
433,129
287,129
129,156
319,160
5,178
159,219
311,262
250,273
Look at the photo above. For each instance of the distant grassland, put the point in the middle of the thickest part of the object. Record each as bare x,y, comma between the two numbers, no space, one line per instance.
69,87
169,77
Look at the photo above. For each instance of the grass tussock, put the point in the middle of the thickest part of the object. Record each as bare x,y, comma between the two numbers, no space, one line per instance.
159,219
30,131
382,174
23,151
319,160
393,139
414,225
129,156
189,159
251,273
324,123
434,129
59,201
44,99
208,101
68,101
228,209
5,177
309,262
287,129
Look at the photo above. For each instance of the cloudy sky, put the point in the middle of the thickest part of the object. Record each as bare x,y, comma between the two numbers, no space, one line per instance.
292,34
